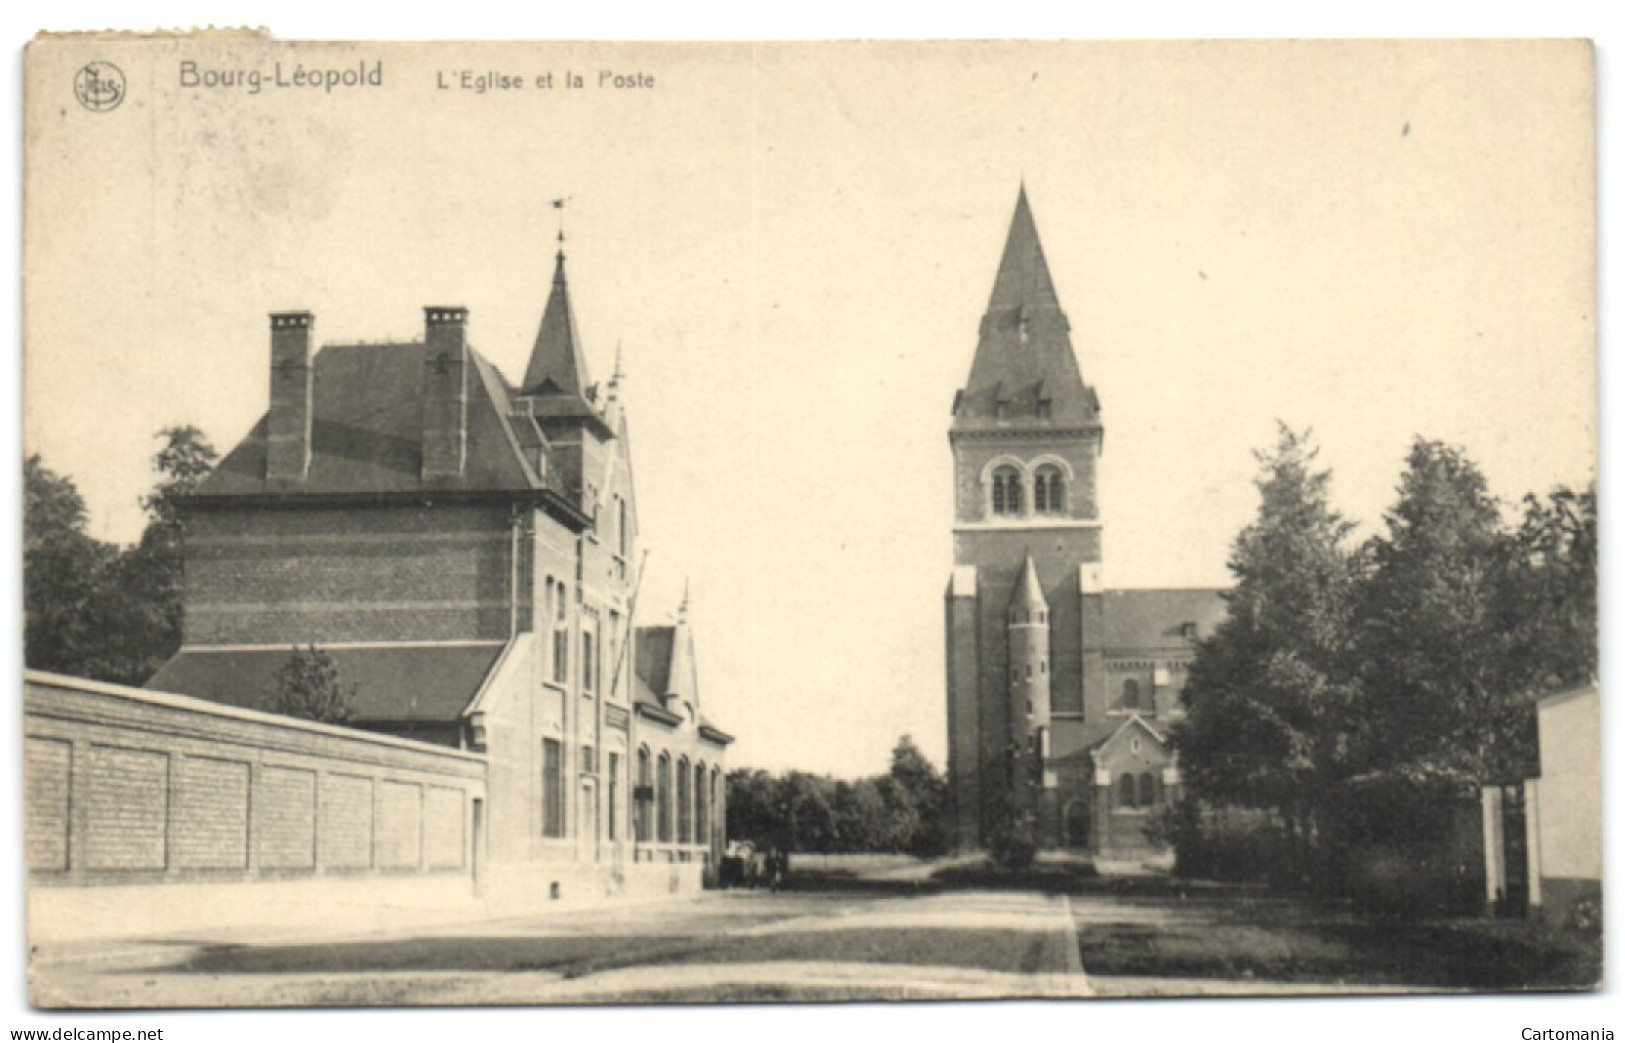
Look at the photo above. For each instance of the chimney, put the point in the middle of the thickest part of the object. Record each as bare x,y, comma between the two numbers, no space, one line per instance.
445,392
287,456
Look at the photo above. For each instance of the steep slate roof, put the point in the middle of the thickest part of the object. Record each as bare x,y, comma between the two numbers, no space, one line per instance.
665,668
654,657
367,430
401,683
1150,620
1024,354
557,366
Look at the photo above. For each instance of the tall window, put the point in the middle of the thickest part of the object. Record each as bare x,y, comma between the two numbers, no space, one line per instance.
1049,490
1007,491
641,803
1148,790
552,788
612,665
623,536
719,821
702,807
663,797
589,662
561,633
614,796
1125,791
525,580
1131,694
685,821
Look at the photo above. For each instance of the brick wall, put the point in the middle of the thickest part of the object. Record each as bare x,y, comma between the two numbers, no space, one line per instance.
359,574
124,786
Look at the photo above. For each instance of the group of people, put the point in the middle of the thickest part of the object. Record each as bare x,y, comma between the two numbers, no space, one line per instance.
745,866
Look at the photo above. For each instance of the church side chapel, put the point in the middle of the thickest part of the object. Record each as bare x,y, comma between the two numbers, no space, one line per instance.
1059,689
466,551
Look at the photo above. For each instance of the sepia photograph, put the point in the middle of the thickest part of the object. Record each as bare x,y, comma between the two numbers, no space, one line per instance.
606,523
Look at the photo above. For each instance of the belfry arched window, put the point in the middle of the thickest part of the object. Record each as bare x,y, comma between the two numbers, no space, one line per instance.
1007,491
1049,490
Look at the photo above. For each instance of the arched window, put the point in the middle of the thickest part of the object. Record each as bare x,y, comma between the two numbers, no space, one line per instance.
1125,791
561,634
663,798
1007,491
1148,790
685,807
702,807
1049,490
1131,694
645,794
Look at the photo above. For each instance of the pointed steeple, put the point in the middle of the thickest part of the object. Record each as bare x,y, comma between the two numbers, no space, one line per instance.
1028,592
1023,280
557,366
1025,373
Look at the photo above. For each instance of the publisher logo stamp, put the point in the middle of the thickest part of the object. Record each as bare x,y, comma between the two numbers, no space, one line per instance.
99,86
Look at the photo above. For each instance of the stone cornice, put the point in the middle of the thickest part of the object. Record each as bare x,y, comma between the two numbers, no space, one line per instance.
1033,433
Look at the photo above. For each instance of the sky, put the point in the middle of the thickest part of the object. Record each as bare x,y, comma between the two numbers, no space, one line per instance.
792,247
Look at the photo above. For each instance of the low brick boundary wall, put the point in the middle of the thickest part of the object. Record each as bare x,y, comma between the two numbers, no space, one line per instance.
129,787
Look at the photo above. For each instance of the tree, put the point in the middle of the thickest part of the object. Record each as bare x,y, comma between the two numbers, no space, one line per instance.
64,570
308,687
899,811
862,817
147,580
1549,594
92,609
752,806
1439,657
922,799
1269,696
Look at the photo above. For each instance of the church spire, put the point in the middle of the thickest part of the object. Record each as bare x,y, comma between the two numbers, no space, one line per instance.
1025,372
1023,280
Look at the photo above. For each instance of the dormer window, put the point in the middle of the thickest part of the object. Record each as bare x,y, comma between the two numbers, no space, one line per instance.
1187,631
1043,409
1007,491
1001,409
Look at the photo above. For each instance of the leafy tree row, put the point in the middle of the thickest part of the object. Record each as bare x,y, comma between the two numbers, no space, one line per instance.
901,811
94,609
1402,665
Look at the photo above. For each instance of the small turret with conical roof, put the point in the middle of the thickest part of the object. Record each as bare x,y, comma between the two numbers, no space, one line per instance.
557,392
556,365
1028,627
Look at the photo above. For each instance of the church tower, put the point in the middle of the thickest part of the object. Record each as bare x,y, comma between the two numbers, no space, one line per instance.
1024,605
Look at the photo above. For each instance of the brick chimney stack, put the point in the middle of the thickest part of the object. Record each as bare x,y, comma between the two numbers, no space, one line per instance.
287,456
445,392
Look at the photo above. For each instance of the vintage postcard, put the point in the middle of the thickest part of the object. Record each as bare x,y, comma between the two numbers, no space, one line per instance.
611,523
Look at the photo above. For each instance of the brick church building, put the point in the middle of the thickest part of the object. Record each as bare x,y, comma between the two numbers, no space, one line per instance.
466,550
1060,691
